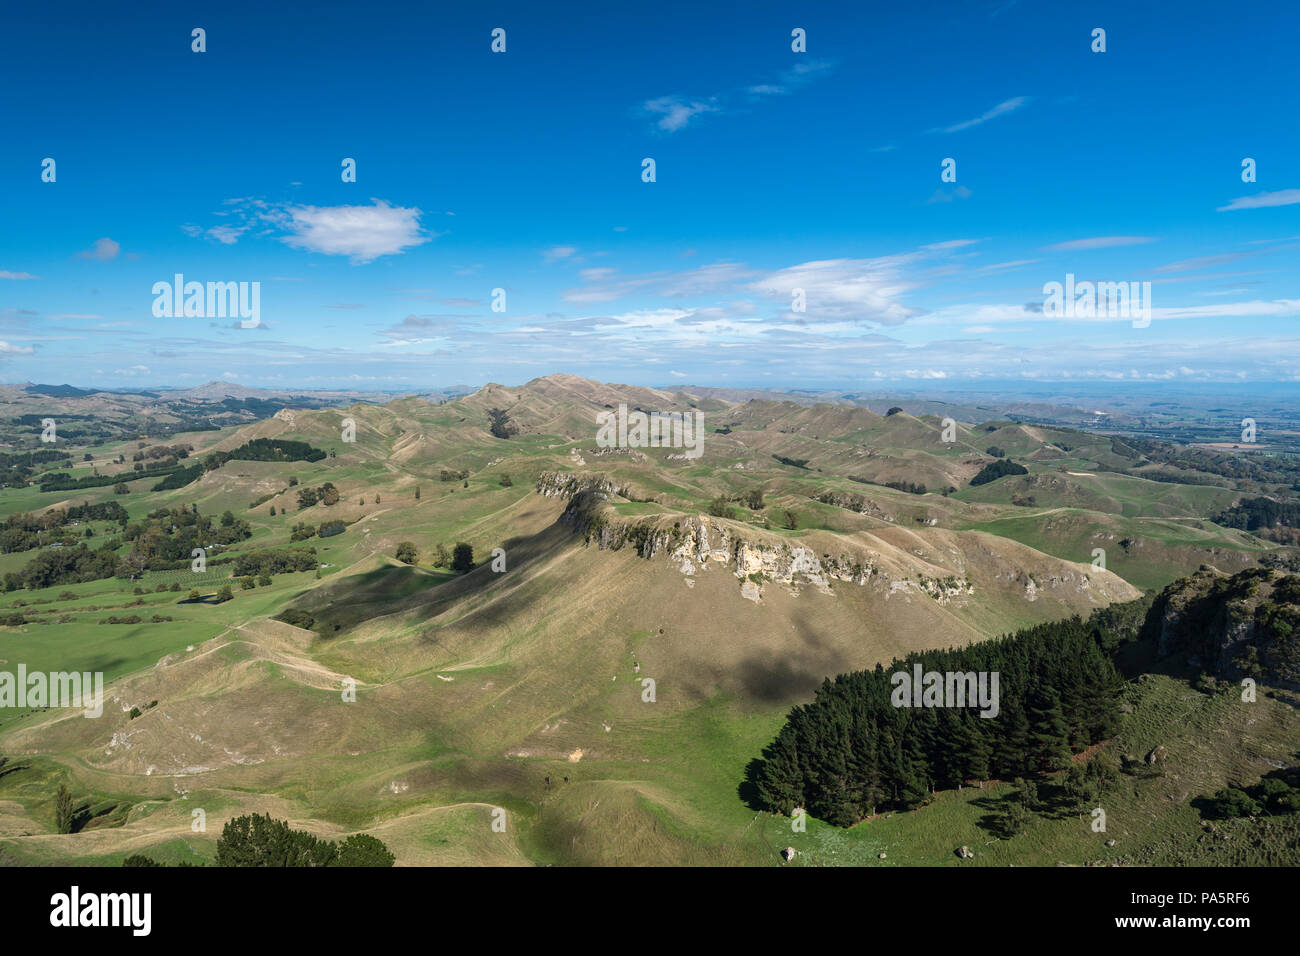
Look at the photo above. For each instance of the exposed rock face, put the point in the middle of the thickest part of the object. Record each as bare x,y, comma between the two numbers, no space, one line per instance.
1246,625
552,484
698,542
692,544
625,452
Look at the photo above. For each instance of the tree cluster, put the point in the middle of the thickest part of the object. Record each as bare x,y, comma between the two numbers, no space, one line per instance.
851,752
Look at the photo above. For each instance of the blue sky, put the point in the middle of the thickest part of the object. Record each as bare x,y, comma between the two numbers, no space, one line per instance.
775,170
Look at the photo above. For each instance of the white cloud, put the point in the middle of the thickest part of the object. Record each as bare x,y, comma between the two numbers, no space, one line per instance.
363,233
947,244
986,316
6,274
846,288
1282,197
1006,106
675,113
605,284
556,253
101,251
7,349
940,195
226,235
1203,262
1098,242
1012,264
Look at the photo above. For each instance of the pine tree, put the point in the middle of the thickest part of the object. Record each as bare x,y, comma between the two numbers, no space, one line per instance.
63,813
1011,747
777,781
1049,737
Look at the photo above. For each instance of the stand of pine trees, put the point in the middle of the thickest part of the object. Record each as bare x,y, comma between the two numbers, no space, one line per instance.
851,753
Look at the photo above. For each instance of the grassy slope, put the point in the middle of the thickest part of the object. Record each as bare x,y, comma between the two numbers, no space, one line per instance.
530,659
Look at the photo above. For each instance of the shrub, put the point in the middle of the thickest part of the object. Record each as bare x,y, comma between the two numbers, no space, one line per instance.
406,553
462,558
261,841
297,617
998,469
64,815
1231,802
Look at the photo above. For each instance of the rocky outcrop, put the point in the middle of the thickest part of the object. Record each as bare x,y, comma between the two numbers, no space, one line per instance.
624,452
1243,625
693,543
696,543
560,484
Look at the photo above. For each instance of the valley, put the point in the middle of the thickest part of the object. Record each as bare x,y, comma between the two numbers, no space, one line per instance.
803,541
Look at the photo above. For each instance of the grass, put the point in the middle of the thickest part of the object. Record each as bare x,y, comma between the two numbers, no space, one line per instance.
475,689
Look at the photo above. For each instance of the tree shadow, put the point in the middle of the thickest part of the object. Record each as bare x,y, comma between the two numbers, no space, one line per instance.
748,788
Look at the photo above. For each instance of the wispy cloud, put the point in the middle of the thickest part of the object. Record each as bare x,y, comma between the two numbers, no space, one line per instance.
1203,262
1011,264
675,112
605,284
1098,242
556,253
6,274
946,195
1282,197
851,289
799,75
1006,106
